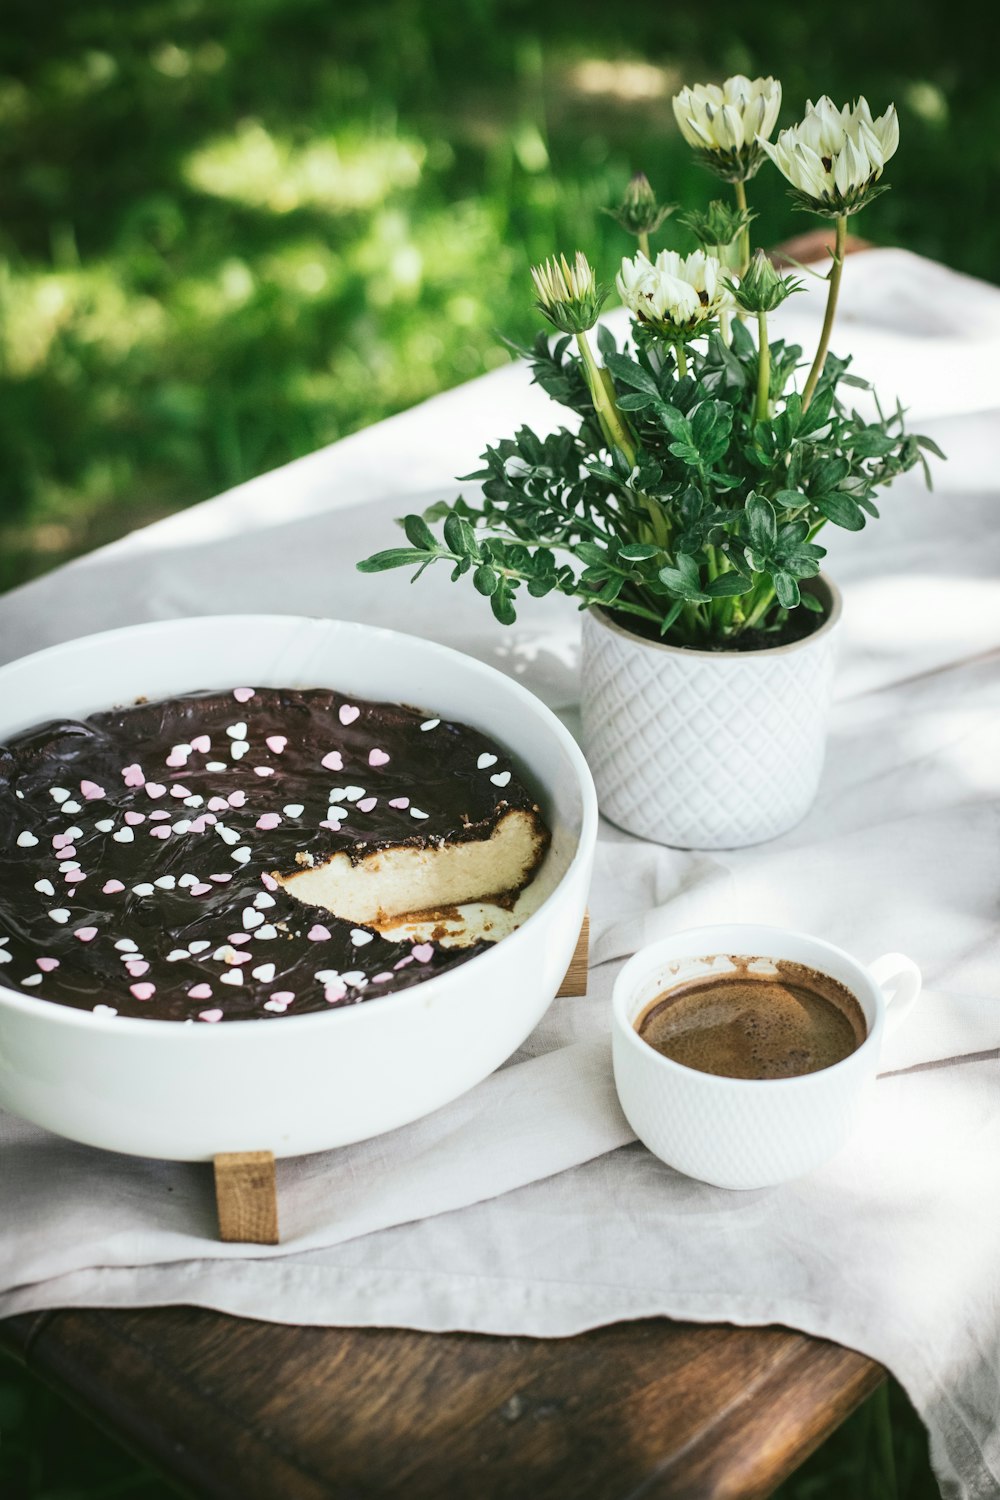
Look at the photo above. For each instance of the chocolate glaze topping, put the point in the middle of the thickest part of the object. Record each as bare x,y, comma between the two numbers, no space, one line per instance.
136,848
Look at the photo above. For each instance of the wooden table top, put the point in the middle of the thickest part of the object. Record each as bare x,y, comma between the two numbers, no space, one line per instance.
241,1410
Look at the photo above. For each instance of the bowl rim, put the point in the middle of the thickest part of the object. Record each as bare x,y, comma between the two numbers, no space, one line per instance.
37,1007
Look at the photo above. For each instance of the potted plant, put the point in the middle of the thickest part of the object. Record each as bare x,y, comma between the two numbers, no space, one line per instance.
682,506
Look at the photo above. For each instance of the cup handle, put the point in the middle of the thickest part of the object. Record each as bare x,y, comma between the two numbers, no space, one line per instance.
899,980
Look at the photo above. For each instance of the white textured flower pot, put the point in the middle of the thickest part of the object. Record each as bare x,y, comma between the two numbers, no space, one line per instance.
706,749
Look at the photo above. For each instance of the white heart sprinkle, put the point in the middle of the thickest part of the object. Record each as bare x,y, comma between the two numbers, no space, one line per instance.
188,880
251,918
103,1010
143,889
46,887
228,835
501,778
237,731
353,793
430,724
333,811
416,813
105,825
359,937
199,945
216,765
184,750
166,882
336,792
293,810
241,855
69,864
71,807
355,978
485,760
266,932
58,793
124,836
60,914
32,979
74,833
126,945
26,840
262,900
193,801
239,749
182,826
327,976
176,954
5,957
265,972
233,976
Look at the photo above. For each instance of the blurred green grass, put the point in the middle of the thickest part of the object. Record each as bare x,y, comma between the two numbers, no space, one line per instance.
234,230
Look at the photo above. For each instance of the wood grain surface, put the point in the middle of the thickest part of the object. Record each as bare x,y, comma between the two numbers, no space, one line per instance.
246,1196
575,982
237,1410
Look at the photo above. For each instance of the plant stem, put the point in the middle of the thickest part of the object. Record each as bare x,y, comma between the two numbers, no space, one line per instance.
760,608
682,360
760,413
610,417
644,244
831,309
740,189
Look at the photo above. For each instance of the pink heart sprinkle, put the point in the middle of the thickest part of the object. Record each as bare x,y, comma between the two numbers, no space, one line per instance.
161,831
47,964
423,952
263,770
348,713
403,962
268,882
159,815
239,937
400,802
68,851
268,820
137,966
334,761
134,818
179,791
154,789
86,934
378,758
112,887
380,978
175,758
367,804
284,997
198,825
221,879
334,827
133,775
201,889
210,1015
74,876
144,991
243,695
335,991
276,742
200,992
316,934
201,743
61,840
218,804
92,791
237,799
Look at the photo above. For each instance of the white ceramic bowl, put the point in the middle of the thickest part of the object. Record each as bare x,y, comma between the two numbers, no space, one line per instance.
299,1083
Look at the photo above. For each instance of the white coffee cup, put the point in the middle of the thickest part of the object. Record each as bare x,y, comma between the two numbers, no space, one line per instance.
748,1132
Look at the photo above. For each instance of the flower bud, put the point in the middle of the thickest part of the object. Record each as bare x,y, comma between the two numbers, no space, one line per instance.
834,157
568,295
720,227
727,125
639,213
761,288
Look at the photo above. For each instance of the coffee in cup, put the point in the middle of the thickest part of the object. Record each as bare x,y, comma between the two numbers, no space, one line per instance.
755,1018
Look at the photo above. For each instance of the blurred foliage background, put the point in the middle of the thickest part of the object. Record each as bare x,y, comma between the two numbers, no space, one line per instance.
234,230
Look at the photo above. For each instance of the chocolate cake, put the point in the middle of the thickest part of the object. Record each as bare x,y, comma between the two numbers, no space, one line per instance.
235,855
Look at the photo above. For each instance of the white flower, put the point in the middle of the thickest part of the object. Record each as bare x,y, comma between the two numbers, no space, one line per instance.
727,124
675,294
833,157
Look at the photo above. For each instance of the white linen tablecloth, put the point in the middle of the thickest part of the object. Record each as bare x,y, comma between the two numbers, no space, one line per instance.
526,1207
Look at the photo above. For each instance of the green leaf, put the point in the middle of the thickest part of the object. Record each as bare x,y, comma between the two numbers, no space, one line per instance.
636,401
419,533
394,557
925,442
637,551
681,584
842,511
460,537
486,579
786,589
811,603
671,616
728,586
626,370
762,522
503,606
606,340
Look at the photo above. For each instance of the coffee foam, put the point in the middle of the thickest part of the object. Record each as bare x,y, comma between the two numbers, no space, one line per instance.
758,1019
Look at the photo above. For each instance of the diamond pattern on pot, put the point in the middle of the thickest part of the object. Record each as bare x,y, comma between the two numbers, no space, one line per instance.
704,751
